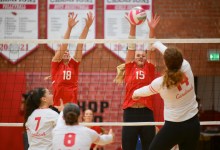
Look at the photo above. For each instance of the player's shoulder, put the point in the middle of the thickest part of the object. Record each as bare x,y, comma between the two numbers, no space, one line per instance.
56,62
50,112
86,129
130,65
185,66
148,64
74,61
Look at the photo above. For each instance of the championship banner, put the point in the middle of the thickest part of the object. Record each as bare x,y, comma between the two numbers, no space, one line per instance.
18,20
57,21
117,27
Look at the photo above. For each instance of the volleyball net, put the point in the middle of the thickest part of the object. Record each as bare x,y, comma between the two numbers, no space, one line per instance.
98,69
25,64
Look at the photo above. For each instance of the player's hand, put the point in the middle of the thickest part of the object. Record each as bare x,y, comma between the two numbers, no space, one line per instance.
152,24
89,20
135,97
47,78
60,108
111,133
126,17
72,20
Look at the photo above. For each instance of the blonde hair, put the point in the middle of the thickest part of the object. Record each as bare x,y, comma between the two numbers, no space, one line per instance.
173,78
119,79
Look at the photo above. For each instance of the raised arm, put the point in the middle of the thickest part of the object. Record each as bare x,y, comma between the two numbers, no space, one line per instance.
159,46
71,23
79,48
131,46
152,24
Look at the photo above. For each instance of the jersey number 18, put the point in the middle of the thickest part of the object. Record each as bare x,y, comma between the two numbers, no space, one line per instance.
66,75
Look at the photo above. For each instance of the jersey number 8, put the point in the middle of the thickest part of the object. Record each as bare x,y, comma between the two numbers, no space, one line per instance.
69,139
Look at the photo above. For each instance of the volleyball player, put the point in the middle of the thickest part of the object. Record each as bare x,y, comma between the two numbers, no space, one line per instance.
176,87
40,119
88,117
137,72
65,69
68,134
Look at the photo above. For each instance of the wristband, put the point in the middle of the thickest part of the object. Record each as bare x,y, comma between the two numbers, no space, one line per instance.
131,46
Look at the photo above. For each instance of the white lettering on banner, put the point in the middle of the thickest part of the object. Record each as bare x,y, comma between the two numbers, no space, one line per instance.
71,6
118,1
127,1
18,1
84,1
76,1
8,0
14,6
26,1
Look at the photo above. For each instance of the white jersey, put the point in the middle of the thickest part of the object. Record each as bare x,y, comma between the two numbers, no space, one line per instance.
76,137
179,102
39,128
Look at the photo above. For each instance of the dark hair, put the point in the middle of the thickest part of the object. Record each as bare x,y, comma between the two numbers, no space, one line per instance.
25,96
33,101
173,60
71,113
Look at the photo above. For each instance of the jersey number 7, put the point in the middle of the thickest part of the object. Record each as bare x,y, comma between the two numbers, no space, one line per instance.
38,122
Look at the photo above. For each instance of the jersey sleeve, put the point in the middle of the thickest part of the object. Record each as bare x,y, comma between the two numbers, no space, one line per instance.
60,120
54,117
128,69
150,89
74,64
104,139
185,66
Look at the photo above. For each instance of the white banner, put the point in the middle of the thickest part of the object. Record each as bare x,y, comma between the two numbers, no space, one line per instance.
18,20
57,18
117,27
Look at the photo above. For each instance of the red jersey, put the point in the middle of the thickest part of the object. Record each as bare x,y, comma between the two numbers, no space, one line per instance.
136,77
65,81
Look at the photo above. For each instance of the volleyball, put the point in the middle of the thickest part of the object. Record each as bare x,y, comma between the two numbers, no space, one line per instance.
137,15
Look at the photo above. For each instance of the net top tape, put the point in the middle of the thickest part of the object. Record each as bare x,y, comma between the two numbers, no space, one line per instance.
102,41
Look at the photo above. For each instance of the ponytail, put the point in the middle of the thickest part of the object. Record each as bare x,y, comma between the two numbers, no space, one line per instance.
172,78
33,102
